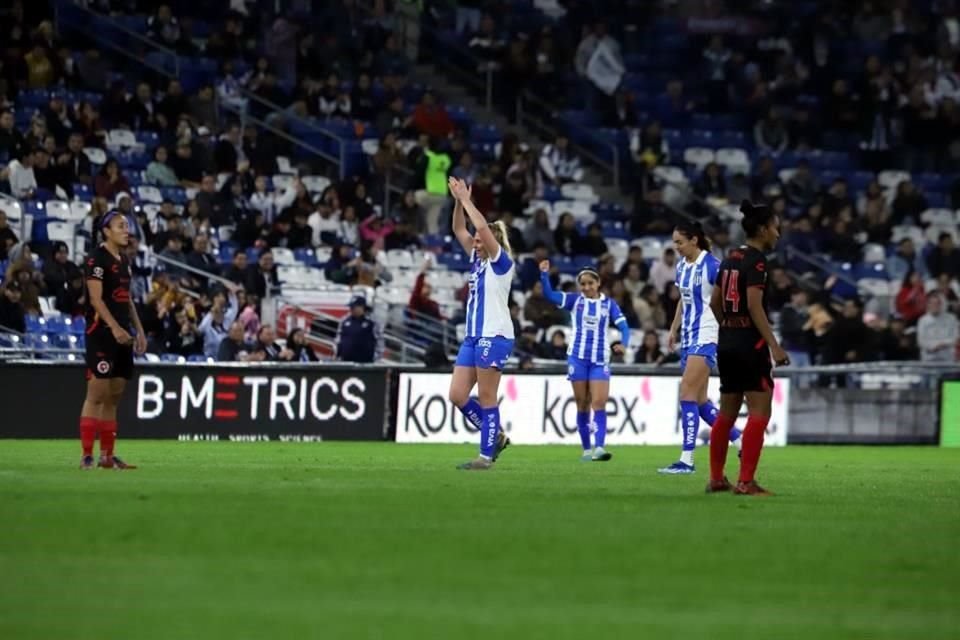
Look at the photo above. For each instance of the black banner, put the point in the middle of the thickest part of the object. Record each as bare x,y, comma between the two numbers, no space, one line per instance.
295,403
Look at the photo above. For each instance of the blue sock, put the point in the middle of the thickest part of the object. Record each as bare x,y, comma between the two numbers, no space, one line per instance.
583,427
690,418
473,413
708,413
488,432
600,419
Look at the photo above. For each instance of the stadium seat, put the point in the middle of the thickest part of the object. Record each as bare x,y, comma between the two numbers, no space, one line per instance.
285,167
671,175
580,209
149,193
580,192
78,325
200,358
890,179
370,146
305,256
79,210
652,248
315,184
447,279
937,217
120,138
58,209
400,259
734,160
172,357
61,232
908,231
64,341
283,256
699,157
874,253
932,234
281,181
96,155
47,309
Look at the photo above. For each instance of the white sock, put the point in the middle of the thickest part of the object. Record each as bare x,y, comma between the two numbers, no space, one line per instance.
686,457
737,443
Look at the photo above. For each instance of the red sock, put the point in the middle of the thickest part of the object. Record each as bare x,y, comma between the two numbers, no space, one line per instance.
752,445
88,434
108,436
719,441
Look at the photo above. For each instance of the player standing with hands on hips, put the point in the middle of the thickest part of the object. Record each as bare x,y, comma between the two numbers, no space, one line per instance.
588,359
110,312
694,321
746,347
489,340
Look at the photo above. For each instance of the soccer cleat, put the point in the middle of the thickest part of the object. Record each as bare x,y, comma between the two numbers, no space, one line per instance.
502,443
113,462
600,455
587,456
478,464
719,486
750,489
86,463
678,469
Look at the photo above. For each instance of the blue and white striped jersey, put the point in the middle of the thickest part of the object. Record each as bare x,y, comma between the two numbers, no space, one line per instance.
488,311
695,281
591,319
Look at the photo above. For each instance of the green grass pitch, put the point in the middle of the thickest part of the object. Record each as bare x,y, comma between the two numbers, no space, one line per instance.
269,540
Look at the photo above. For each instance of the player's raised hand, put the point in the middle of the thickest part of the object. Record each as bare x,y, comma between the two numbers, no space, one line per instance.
545,266
458,188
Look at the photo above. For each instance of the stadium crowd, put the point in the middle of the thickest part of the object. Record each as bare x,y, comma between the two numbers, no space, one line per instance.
900,113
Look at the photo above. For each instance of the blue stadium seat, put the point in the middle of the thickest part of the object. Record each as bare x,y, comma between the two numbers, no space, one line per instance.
454,261
306,256
35,324
170,357
38,341
63,341
78,325
877,270
56,324
9,340
197,358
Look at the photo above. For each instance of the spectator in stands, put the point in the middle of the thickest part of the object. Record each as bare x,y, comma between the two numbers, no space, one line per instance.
841,243
904,260
802,188
649,309
920,131
594,244
516,190
945,258
538,232
142,110
620,295
349,227
556,349
93,70
558,165
298,346
374,229
393,117
216,323
938,333
650,214
201,259
434,197
421,301
41,72
911,301
779,288
159,172
267,344
540,311
233,348
431,119
876,221
237,271
947,289
173,250
164,28
181,335
664,270
566,238
58,117
795,336
172,106
908,204
770,134
203,108
848,339
228,151
649,149
358,337
712,183
526,345
23,182
271,203
8,239
649,351
672,109
58,271
110,181
12,313
11,140
486,43
262,277
74,163
765,182
49,179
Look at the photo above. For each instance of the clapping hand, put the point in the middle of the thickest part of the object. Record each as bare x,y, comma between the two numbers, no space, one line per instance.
545,266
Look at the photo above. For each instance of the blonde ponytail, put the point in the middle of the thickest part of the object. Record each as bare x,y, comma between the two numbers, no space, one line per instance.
499,230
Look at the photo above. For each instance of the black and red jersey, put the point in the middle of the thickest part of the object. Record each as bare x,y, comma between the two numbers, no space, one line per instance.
744,267
115,275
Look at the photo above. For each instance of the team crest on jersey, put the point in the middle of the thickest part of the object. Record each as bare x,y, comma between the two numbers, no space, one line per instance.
103,367
98,272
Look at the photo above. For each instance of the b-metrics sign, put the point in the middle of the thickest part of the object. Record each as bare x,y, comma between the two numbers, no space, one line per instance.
539,409
208,403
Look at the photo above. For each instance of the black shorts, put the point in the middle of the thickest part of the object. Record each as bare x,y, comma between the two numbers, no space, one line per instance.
105,358
744,368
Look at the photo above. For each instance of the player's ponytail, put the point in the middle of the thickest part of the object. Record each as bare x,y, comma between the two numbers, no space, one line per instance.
691,230
499,231
755,217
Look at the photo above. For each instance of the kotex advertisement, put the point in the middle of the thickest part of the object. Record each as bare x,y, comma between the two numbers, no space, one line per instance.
540,409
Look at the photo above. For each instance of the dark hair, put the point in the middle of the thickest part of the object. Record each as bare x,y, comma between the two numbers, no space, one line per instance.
588,271
691,230
943,236
755,217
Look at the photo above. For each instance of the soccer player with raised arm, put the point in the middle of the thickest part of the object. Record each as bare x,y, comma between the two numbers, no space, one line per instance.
110,316
697,328
588,356
489,339
745,349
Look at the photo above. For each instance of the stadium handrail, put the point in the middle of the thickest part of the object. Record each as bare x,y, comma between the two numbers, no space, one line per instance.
59,6
486,87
